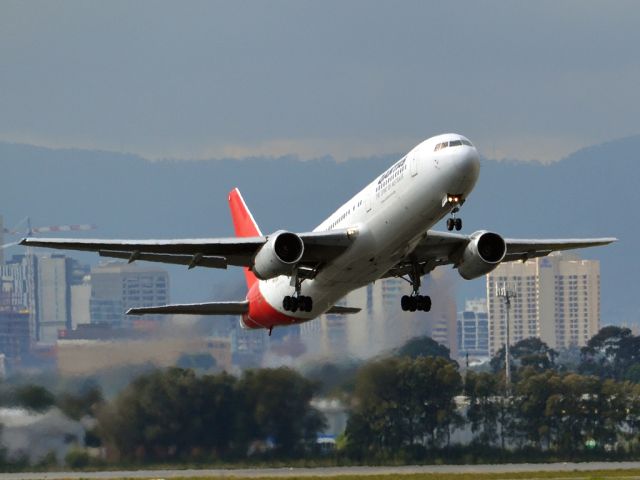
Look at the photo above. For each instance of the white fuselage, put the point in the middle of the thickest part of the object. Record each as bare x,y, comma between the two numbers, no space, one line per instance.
390,215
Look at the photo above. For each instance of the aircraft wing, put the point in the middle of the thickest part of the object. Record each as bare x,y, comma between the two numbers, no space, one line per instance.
319,248
444,248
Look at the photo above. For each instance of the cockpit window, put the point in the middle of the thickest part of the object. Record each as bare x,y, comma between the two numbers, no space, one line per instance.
452,143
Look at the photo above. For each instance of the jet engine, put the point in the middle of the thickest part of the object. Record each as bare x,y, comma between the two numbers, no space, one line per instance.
278,256
482,254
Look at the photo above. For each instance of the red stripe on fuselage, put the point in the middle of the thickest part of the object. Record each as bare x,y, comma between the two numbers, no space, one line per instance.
261,314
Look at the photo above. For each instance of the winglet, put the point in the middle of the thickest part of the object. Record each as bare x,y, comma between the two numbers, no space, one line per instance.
244,225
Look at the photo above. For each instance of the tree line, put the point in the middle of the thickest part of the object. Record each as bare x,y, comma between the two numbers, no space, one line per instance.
407,405
588,405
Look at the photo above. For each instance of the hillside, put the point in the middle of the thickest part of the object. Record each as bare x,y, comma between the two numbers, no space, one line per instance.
589,193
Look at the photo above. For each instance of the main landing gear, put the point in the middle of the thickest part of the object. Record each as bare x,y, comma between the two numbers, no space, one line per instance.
415,301
295,302
455,201
412,303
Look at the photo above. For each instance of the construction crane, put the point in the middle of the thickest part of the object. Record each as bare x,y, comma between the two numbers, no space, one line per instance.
25,229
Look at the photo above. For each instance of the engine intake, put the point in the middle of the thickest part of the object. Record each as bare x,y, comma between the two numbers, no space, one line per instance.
482,254
278,256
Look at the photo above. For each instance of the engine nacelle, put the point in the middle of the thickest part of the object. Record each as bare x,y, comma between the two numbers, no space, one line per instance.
278,256
482,254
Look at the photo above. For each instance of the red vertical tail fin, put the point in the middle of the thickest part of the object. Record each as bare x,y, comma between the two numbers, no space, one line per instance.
245,226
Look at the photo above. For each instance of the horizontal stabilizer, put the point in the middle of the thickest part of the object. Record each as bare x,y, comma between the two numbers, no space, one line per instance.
212,308
338,310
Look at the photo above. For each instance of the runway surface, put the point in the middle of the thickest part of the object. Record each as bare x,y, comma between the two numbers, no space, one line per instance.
324,472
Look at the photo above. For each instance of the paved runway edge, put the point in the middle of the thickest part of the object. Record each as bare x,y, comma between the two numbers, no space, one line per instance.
329,471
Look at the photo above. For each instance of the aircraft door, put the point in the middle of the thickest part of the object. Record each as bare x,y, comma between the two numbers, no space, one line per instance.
413,165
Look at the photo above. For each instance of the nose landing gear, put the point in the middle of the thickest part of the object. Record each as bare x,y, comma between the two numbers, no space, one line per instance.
455,202
454,222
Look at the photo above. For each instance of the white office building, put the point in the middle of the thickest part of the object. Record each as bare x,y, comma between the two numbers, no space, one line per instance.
557,298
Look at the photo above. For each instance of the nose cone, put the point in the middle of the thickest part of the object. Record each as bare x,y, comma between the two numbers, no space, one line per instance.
464,169
471,162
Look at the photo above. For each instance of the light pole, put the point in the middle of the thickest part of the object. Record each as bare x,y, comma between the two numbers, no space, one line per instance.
504,292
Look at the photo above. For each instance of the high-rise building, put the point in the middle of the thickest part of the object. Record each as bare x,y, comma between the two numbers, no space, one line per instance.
53,297
1,240
381,324
557,298
473,329
14,334
81,302
116,287
15,283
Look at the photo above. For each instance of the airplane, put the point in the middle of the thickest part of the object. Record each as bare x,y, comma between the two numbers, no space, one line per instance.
382,231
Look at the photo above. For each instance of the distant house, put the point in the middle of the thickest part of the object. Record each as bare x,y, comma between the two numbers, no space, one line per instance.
33,436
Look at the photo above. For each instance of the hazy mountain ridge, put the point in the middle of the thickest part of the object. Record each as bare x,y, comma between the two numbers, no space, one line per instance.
589,193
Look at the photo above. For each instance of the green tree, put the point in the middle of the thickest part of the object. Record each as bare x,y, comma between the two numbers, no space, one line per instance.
33,397
85,402
610,353
171,413
276,406
532,392
377,420
571,412
423,347
529,352
334,378
484,392
402,402
633,373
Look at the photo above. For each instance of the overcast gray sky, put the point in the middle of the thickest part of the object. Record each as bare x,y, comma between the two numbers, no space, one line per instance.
531,80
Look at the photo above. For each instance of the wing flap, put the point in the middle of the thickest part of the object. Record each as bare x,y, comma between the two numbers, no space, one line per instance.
211,308
189,260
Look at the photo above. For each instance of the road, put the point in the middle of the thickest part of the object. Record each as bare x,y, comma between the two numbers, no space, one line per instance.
324,472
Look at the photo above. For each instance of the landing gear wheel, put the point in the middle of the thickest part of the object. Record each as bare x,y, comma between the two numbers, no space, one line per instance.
405,301
424,303
412,303
295,303
302,303
450,224
286,303
306,304
458,224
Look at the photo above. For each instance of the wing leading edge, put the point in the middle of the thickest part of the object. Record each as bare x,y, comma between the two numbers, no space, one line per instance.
444,248
319,248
